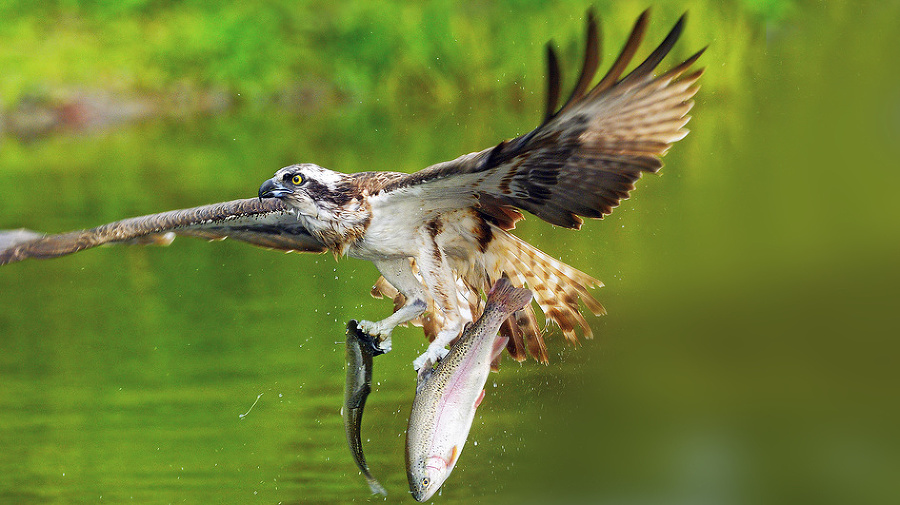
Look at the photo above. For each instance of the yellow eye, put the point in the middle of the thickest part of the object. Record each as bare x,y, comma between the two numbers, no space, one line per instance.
297,179
425,481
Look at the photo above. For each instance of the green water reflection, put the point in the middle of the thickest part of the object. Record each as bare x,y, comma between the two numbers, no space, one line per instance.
749,355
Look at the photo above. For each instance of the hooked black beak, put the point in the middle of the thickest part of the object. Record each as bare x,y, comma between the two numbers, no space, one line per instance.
273,189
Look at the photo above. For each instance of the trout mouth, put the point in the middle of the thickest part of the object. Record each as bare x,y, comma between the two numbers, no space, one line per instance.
435,470
431,474
428,484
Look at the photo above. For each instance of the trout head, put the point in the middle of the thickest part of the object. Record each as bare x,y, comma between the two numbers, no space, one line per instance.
427,474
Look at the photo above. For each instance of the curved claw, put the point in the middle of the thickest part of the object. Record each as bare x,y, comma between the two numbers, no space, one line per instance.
376,342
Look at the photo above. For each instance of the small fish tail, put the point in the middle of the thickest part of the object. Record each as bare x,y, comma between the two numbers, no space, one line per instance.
506,297
376,486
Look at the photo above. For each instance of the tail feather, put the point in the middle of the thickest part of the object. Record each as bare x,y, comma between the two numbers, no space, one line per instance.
557,289
515,338
527,321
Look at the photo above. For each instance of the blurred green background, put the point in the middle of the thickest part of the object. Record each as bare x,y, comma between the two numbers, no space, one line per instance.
749,354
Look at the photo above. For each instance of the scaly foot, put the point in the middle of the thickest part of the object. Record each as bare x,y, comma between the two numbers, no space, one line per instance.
368,344
432,355
379,334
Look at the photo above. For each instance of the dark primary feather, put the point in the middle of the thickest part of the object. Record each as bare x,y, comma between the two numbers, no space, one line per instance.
553,83
266,223
591,60
628,51
586,156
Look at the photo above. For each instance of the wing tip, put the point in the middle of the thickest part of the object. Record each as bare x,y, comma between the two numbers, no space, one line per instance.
14,244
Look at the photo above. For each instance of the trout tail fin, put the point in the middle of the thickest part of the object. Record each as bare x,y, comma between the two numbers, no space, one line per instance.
507,298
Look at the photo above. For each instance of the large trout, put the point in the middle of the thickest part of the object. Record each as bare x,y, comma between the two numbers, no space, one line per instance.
448,394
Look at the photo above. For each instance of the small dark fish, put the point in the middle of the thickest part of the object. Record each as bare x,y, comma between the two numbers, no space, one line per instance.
448,394
360,350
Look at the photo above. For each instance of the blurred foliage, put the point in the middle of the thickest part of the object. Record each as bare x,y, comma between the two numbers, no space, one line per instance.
391,53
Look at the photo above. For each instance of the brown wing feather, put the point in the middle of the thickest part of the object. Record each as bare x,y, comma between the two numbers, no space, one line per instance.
266,223
585,158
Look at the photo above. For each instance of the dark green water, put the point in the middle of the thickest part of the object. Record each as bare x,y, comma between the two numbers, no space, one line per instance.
749,355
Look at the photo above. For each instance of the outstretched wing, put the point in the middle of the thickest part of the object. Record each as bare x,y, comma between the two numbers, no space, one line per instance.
585,157
266,223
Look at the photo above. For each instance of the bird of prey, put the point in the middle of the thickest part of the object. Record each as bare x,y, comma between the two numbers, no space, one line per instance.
441,236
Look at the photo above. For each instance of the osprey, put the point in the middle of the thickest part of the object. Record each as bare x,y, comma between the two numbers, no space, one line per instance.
441,236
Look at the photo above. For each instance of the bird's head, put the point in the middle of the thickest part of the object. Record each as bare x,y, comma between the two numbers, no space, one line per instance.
309,189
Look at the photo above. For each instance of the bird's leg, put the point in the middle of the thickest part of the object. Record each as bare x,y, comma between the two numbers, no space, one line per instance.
437,349
398,273
438,276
